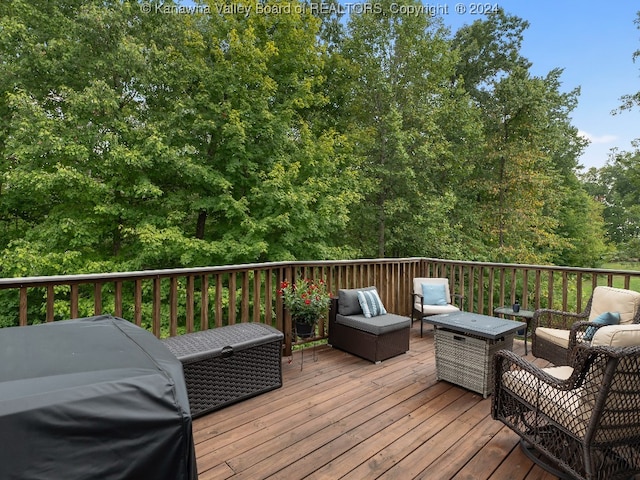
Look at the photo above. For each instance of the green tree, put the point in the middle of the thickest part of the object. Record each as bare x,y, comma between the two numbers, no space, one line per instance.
522,176
402,110
143,140
82,156
618,186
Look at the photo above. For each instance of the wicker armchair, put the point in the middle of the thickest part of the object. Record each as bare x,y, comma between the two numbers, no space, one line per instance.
580,420
555,333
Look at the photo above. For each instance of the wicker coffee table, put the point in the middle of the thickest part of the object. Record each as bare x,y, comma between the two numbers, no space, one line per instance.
465,346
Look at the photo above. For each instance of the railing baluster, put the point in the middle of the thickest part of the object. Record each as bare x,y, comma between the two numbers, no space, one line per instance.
74,300
173,306
471,281
157,304
218,301
481,289
137,302
204,305
23,307
256,295
117,308
97,298
51,298
579,292
564,291
190,303
490,288
537,288
244,313
232,298
268,296
502,286
524,295
513,287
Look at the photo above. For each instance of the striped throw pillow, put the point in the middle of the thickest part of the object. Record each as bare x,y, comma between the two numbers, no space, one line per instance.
370,303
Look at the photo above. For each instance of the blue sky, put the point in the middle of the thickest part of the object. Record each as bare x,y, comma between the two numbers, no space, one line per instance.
593,41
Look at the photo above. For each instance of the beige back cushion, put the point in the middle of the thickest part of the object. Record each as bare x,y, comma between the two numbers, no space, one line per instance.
617,336
609,299
417,285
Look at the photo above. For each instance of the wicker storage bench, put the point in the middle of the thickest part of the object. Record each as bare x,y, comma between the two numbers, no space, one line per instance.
228,364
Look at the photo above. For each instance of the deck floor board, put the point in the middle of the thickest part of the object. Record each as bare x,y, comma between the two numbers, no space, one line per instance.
342,417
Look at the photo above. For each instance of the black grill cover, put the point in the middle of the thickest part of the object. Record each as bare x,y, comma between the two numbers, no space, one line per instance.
92,398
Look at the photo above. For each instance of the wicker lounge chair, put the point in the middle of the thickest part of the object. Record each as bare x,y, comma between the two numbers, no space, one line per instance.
580,420
555,333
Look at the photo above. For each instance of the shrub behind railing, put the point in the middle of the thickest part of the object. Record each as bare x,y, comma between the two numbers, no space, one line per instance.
177,301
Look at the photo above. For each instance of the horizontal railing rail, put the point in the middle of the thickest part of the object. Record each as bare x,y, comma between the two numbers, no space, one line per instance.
177,301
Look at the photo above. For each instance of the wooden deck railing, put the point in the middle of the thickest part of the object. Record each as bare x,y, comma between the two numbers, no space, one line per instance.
176,301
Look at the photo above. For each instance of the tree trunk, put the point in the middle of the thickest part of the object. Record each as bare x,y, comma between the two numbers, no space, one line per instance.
202,220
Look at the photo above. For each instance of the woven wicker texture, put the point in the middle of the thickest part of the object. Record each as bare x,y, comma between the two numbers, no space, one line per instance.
541,348
575,322
588,425
228,364
193,346
369,346
467,360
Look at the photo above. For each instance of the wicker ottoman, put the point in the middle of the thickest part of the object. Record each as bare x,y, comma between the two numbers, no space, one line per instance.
467,360
228,364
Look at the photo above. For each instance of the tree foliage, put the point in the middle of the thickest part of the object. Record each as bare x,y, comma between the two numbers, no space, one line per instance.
411,128
617,187
133,139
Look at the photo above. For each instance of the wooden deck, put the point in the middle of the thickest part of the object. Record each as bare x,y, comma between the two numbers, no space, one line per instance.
343,417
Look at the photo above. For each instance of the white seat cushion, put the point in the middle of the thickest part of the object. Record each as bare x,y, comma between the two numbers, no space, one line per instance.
437,309
617,336
554,335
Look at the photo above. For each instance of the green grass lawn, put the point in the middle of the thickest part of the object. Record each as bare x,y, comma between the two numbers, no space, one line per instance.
619,282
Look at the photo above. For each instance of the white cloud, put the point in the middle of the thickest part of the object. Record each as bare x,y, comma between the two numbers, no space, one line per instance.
597,139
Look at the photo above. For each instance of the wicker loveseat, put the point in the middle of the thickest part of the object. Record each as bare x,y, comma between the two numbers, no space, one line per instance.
584,419
375,339
556,333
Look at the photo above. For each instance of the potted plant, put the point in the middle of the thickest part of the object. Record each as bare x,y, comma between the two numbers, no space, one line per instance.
307,301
